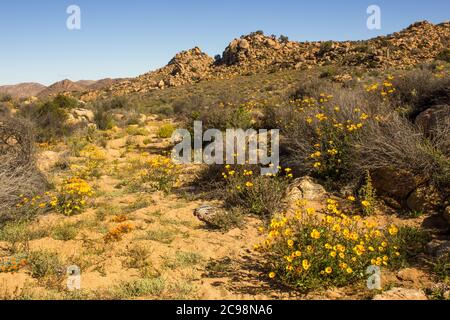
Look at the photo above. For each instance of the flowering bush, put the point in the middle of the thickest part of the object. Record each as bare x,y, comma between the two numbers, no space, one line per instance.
256,194
308,250
72,196
12,264
158,173
93,162
116,233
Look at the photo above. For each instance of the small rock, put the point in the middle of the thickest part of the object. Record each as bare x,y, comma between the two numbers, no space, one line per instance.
401,294
438,248
433,117
410,274
306,189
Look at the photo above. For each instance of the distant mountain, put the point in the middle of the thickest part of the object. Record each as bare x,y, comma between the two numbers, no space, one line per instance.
104,83
85,83
67,85
61,87
23,90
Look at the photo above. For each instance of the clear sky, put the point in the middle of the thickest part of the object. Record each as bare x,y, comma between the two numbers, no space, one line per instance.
121,38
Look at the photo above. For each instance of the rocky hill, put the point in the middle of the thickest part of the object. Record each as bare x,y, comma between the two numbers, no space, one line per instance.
421,42
22,90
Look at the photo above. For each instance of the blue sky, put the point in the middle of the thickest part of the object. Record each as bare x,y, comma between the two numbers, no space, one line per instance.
122,38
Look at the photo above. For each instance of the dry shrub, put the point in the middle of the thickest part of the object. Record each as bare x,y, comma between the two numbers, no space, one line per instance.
18,173
420,89
396,143
386,139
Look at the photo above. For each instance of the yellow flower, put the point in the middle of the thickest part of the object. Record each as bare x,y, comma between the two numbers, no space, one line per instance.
315,234
249,184
328,270
290,243
305,264
333,254
272,275
351,198
349,270
297,253
365,203
393,230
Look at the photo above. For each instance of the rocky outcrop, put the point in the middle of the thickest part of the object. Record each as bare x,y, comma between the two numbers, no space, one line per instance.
186,67
79,116
419,43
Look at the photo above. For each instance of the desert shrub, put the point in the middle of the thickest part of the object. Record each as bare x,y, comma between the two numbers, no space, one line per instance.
44,263
444,55
49,118
325,47
367,196
157,173
138,288
92,164
13,264
309,250
166,131
65,231
72,196
103,119
5,97
226,220
283,39
65,102
395,143
134,130
116,233
441,267
318,137
420,89
338,134
222,117
254,193
18,172
329,72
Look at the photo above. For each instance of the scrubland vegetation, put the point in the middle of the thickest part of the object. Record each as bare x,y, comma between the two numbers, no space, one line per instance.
103,193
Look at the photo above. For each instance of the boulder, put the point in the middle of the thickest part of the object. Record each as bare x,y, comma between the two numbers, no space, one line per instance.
80,116
438,248
433,117
401,294
424,198
306,189
394,183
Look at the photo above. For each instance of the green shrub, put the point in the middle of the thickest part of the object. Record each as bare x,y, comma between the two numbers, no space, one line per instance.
166,131
255,194
444,55
44,263
65,231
